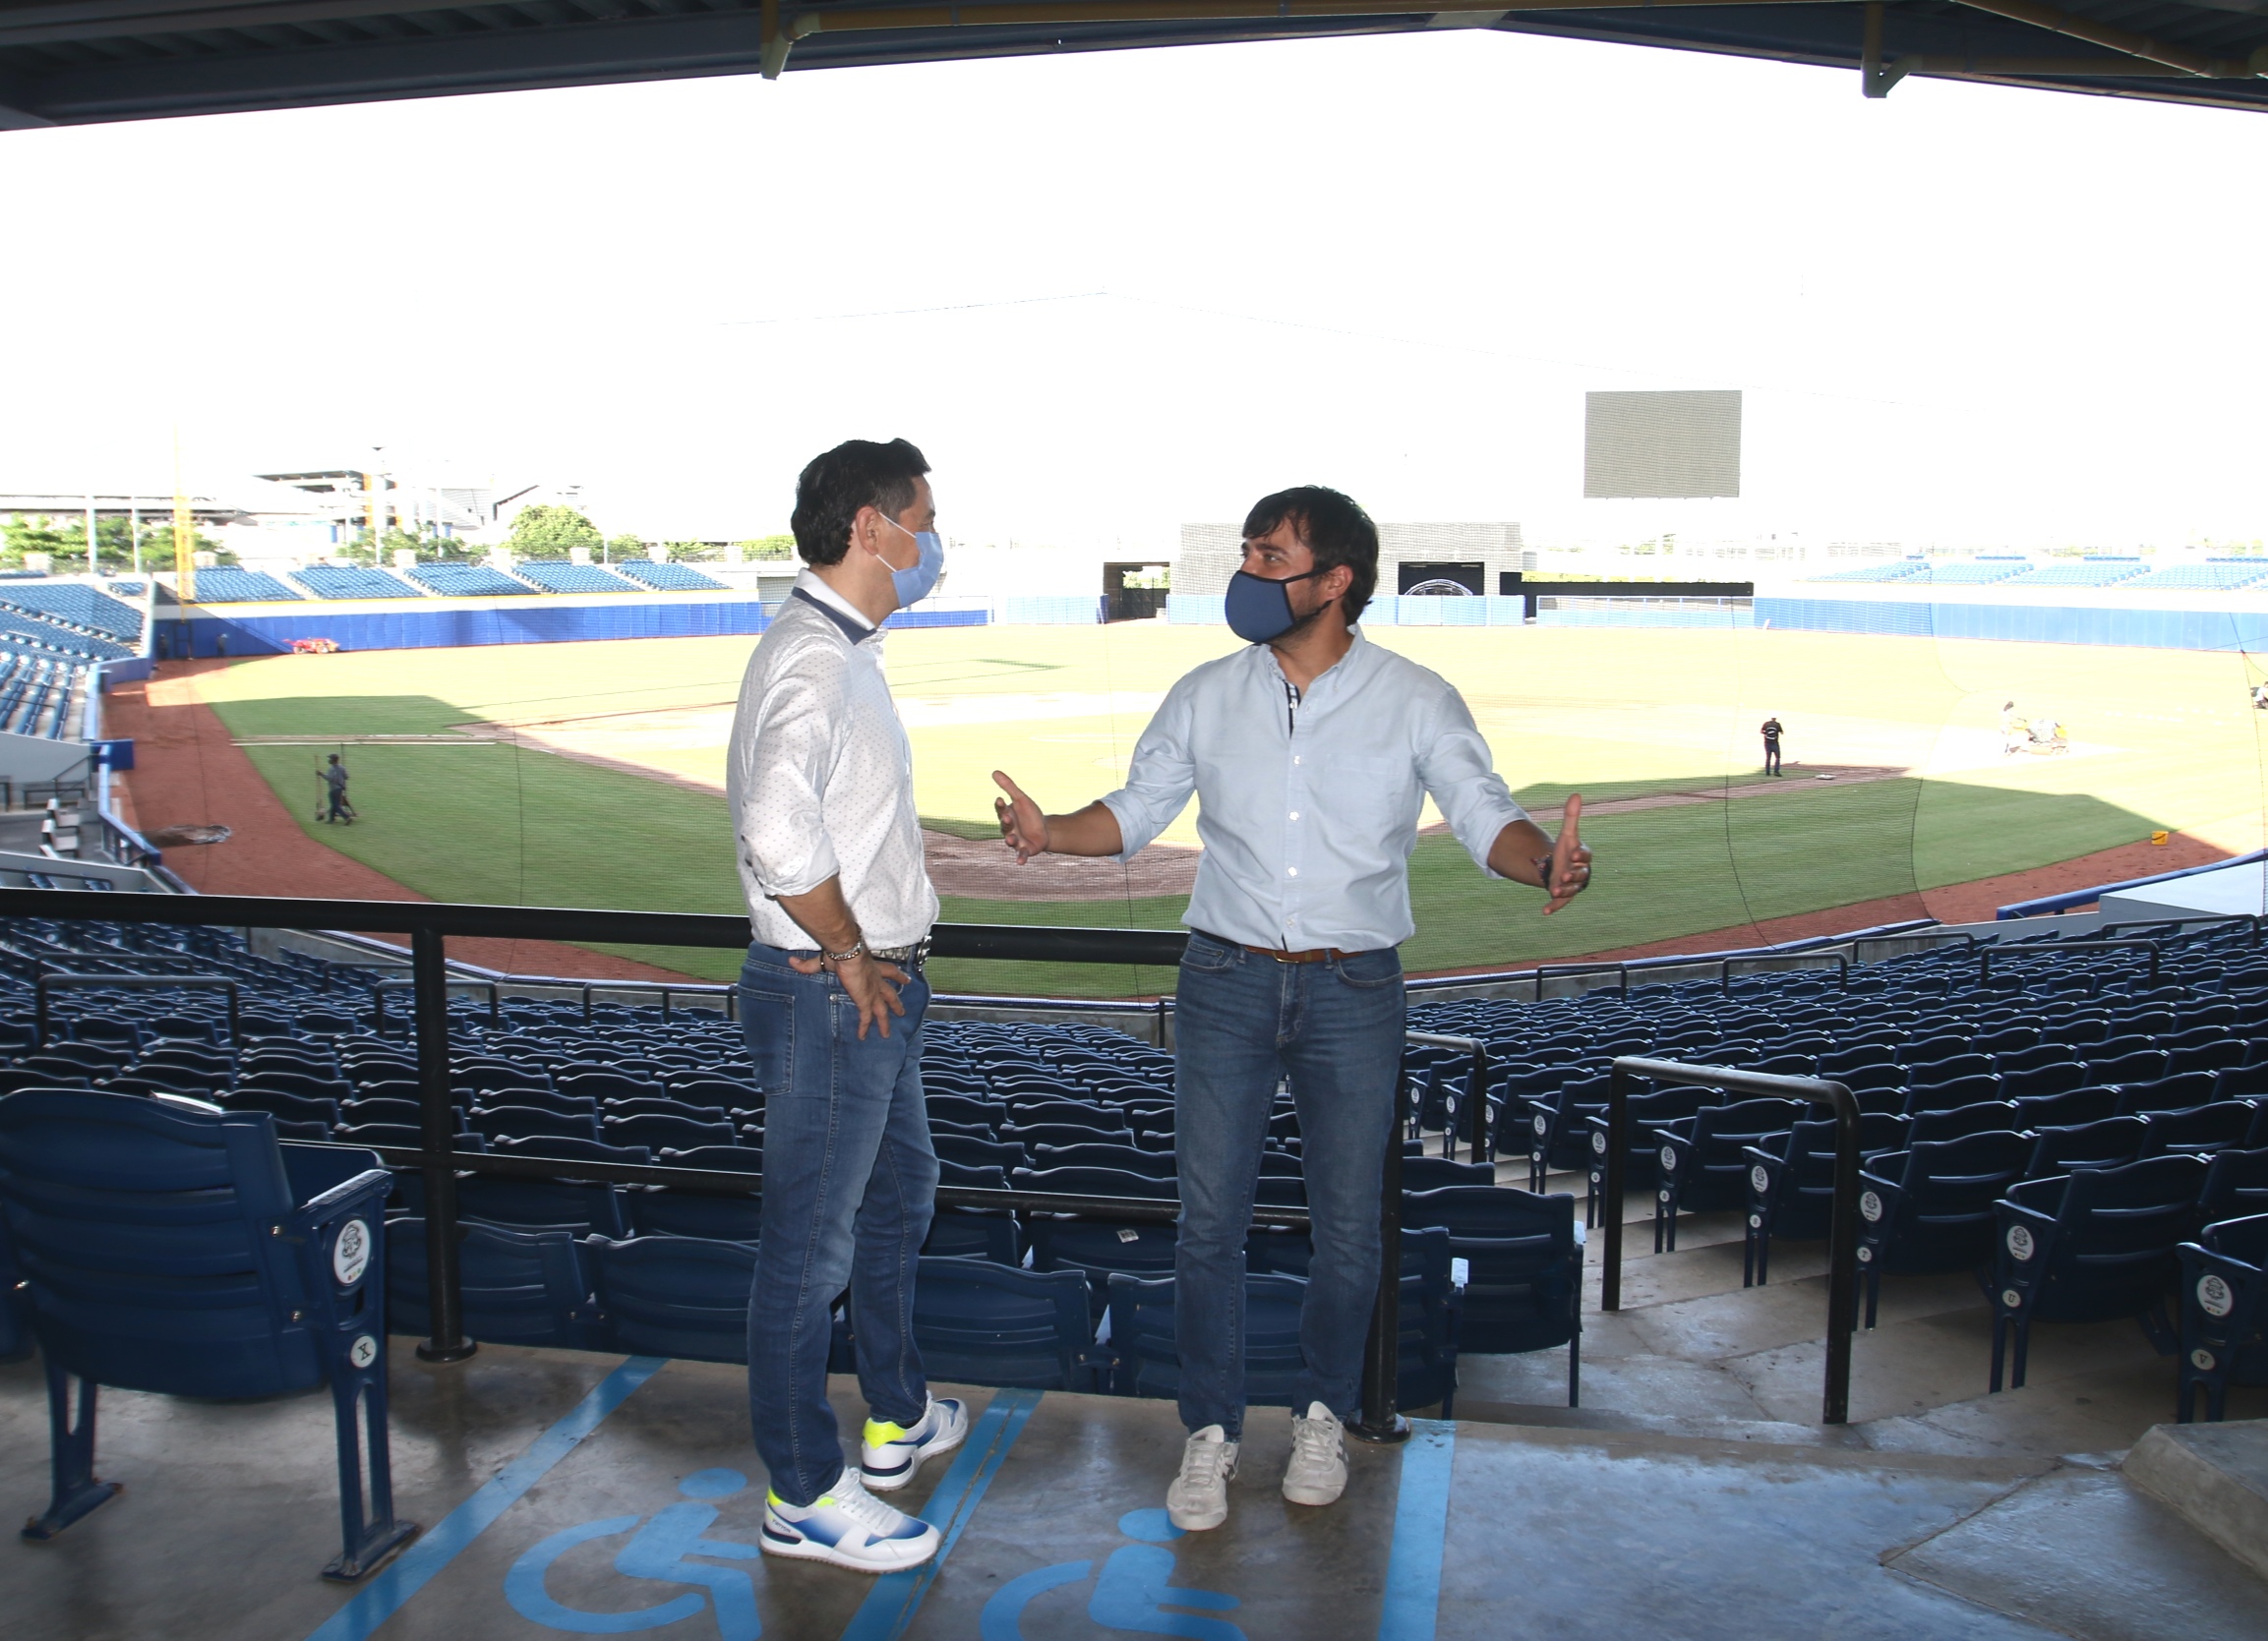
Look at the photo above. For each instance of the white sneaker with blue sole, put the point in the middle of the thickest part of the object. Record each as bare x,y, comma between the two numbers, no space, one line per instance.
847,1527
890,1454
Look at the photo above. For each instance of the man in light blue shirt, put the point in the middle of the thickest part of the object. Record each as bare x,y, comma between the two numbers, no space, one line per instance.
1311,753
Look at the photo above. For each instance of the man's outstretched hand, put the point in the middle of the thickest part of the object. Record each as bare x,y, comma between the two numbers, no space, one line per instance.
1023,828
1570,860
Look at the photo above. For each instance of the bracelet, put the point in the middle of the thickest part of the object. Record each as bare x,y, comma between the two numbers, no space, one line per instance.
858,950
1543,869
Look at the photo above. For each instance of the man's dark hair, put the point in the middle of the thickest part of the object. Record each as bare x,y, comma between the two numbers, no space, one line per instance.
1336,530
859,473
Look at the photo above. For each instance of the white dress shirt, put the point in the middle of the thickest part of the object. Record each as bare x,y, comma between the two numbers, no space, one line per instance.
821,775
1308,812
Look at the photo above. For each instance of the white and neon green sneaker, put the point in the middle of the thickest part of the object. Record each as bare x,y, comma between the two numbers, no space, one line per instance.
848,1527
890,1453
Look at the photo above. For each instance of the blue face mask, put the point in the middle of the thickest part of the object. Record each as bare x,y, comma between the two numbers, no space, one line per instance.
916,584
1260,610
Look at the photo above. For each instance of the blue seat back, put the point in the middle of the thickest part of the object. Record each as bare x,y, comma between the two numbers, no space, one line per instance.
675,1296
1146,1361
1987,1116
981,1323
2235,1187
1099,1248
2107,1142
2097,1243
1091,1182
1132,1160
588,1209
2200,1129
1523,1264
677,1134
2064,1107
1930,1207
519,1287
520,1122
975,1234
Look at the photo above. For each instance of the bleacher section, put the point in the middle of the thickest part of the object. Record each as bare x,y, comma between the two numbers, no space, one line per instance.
78,606
29,635
37,694
1976,572
558,575
352,581
238,586
1980,1094
2087,573
1897,571
2220,575
668,578
467,582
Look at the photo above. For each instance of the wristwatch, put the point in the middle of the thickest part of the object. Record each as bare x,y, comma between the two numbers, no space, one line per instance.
858,950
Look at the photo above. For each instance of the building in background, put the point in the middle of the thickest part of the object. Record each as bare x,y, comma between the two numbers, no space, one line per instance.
1449,560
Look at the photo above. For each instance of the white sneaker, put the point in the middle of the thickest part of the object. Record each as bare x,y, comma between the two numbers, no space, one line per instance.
848,1527
890,1454
1199,1495
1317,1472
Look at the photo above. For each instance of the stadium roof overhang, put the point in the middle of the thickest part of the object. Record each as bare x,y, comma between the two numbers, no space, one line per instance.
70,62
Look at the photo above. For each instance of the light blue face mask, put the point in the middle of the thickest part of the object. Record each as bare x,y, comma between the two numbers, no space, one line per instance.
916,584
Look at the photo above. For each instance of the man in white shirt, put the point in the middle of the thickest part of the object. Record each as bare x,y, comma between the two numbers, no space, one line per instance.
1311,753
820,784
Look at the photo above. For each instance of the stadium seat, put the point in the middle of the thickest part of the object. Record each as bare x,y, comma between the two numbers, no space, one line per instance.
1523,1269
1923,1097
2066,1108
519,1287
660,1211
2042,1081
975,1234
714,1094
1059,1133
1983,1117
1791,1187
532,1100
972,1176
1930,1207
2201,1130
406,1135
602,1086
2142,1066
981,1153
2107,1142
520,1122
1029,1113
982,1321
2176,1093
290,1108
1432,1173
665,1132
572,1150
1704,1159
1145,1360
587,1209
2089,1246
2236,1186
295,1083
1091,1182
675,1296
2221,1054
2224,1289
1646,1113
187,1253
1157,1165
1099,1248
1559,1139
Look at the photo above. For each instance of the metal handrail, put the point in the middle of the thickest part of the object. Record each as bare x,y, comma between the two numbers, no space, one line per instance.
1985,952
1476,1090
125,982
1843,1217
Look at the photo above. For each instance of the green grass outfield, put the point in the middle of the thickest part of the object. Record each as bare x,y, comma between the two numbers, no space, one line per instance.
1612,712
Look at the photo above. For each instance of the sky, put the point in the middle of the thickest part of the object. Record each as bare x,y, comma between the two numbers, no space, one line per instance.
1109,293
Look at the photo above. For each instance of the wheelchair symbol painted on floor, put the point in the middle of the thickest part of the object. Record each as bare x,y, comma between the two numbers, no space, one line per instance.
1131,1593
657,1551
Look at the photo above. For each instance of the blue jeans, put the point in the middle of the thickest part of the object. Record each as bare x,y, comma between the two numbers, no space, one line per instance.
849,1183
1242,1021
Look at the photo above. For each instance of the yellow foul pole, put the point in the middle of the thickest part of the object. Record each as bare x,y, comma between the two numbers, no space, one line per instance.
184,535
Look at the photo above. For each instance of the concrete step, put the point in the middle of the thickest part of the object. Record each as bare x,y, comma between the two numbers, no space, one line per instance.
2215,1477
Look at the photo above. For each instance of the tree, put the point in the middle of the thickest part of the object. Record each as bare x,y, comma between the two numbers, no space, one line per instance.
624,547
767,547
65,540
542,530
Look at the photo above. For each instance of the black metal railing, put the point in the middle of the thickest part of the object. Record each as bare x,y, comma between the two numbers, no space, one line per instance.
1843,1218
1475,1087
46,984
1842,965
2055,947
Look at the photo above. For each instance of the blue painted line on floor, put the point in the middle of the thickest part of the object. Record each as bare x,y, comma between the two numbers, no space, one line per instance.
1420,1529
416,1567
896,1597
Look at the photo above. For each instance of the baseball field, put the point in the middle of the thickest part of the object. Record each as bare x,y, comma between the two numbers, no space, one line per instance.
592,775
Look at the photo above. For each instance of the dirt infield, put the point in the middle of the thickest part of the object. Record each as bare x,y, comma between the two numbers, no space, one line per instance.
187,772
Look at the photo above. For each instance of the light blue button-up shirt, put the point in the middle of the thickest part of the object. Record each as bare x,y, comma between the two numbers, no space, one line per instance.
1308,814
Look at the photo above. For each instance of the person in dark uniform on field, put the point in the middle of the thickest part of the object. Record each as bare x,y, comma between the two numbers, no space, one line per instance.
1772,733
335,776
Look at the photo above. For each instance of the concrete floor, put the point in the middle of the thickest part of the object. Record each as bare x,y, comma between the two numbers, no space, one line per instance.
1692,1496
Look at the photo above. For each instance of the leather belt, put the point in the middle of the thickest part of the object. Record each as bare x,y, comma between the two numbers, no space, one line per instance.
1314,954
909,957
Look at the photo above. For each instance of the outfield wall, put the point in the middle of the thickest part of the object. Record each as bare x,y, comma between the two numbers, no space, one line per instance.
2139,628
426,624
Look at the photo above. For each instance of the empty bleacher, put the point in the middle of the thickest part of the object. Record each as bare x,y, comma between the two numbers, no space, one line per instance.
2219,575
1980,571
2087,573
558,575
343,581
668,578
241,586
78,606
1899,569
467,582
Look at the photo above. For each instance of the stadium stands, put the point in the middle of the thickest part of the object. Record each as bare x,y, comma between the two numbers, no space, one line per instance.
2219,575
1976,572
352,581
557,575
32,635
467,582
2087,573
668,578
1899,569
79,605
237,586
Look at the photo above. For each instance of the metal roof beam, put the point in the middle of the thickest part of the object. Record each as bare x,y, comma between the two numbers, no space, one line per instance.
2115,39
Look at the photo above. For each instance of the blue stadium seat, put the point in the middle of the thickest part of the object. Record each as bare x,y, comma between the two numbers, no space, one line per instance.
1983,1117
1091,1182
2236,1186
521,1287
2045,1081
981,1153
1430,1308
296,1082
1792,1186
1145,1360
520,1122
1930,1207
407,1135
2201,1130
2089,1246
291,1108
668,578
2107,1142
1157,1165
572,1150
980,1321
675,1296
349,581
1030,1113
665,1132
467,582
1646,1113
2066,1108
2224,1314
1432,1173
1523,1260
585,1209
177,1251
558,575
1951,1095
972,1175
1704,1159
226,585
975,1234
1099,1248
